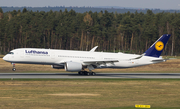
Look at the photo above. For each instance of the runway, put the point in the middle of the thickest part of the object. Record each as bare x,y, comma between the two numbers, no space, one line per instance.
98,75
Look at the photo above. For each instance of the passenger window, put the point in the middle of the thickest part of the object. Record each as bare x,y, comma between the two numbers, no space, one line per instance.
10,53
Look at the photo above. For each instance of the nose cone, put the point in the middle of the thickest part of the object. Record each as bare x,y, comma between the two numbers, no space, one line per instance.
5,58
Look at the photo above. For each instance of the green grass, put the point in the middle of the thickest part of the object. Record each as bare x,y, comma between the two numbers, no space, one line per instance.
142,108
89,93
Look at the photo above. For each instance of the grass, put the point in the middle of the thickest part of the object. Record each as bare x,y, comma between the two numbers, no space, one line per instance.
141,108
171,66
89,94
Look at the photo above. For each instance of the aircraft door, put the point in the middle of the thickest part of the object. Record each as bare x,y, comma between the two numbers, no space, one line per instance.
21,54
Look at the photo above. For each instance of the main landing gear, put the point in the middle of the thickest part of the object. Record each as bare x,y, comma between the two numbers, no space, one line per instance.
86,73
13,69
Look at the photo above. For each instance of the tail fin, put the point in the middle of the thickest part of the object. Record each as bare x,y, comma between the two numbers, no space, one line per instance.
156,49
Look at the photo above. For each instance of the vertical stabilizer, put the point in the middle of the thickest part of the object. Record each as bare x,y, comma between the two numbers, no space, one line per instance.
156,49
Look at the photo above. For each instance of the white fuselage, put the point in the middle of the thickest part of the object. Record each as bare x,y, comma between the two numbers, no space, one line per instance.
59,57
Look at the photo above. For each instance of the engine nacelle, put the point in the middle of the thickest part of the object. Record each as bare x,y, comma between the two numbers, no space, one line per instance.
57,66
73,66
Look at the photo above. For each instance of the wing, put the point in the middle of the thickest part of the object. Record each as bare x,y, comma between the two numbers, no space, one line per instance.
92,64
99,62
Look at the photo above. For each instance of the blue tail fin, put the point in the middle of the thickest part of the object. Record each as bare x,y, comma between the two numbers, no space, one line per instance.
156,49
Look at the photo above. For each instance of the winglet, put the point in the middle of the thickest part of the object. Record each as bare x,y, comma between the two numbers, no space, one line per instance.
156,49
93,49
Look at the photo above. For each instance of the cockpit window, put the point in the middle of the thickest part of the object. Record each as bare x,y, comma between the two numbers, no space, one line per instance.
10,53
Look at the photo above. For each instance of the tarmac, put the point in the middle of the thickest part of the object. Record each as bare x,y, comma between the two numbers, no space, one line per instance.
98,75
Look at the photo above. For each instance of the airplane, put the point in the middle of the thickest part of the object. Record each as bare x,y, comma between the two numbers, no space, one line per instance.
78,61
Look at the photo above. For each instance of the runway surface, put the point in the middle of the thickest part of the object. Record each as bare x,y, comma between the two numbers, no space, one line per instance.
98,75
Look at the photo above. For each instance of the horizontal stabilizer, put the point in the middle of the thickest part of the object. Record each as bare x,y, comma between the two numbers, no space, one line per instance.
159,60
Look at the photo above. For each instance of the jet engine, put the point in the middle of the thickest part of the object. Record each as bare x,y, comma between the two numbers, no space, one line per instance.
73,66
57,66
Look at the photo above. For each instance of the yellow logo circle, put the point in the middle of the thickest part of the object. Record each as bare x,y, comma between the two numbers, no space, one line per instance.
159,46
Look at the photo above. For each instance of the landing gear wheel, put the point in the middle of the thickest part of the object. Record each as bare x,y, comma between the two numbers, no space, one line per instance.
87,73
83,73
13,69
93,73
80,73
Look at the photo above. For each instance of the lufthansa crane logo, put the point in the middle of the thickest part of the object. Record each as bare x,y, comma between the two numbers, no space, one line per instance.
159,46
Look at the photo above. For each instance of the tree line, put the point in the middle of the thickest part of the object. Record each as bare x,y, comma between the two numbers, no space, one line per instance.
87,9
70,30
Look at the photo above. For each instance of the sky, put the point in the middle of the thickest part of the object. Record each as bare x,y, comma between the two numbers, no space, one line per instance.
150,4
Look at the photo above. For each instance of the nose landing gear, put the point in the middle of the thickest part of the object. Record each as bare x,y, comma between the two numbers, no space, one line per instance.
13,69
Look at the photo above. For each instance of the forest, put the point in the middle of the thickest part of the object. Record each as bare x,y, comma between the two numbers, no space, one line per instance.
69,30
87,9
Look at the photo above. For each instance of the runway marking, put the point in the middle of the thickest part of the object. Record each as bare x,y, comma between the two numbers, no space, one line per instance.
70,94
142,106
